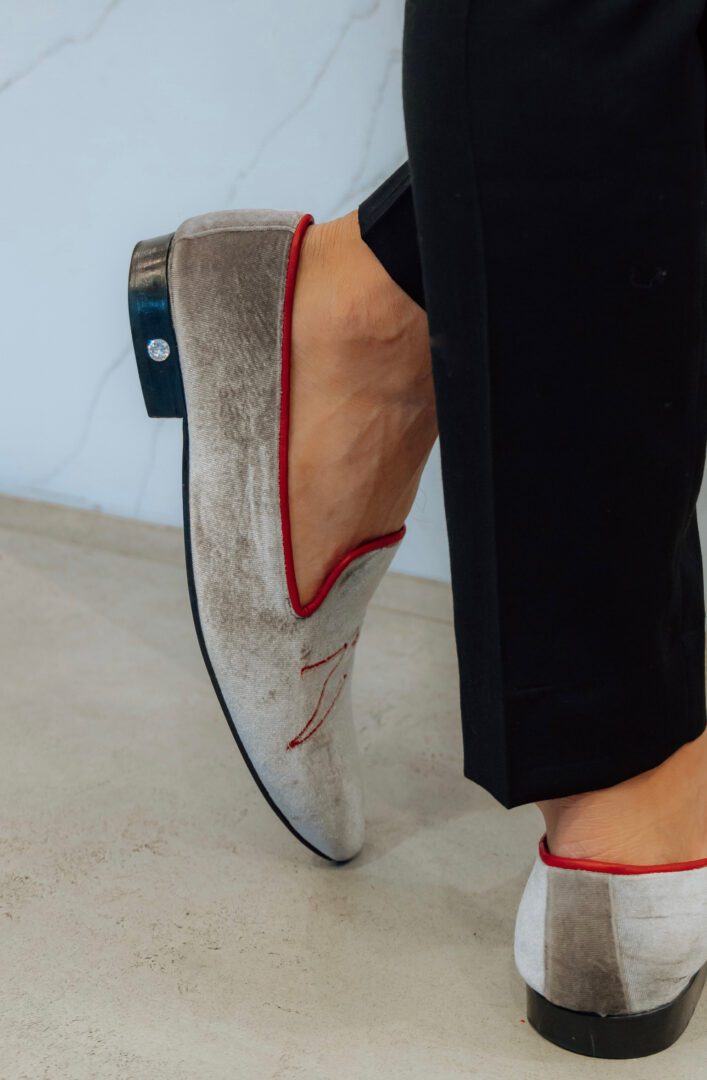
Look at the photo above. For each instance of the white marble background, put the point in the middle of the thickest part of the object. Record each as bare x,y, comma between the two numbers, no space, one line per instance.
119,118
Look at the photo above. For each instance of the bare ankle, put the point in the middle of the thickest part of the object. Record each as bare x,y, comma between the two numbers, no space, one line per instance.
362,410
346,297
658,816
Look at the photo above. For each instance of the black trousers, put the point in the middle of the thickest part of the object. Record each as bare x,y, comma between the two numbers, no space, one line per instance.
552,221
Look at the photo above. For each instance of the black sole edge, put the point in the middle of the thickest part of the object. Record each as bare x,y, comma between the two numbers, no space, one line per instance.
161,381
615,1037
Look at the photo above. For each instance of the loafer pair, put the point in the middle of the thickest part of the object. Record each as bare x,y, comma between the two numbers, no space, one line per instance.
614,957
211,312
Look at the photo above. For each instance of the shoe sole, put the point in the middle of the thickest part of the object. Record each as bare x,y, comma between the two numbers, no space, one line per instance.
634,1036
163,391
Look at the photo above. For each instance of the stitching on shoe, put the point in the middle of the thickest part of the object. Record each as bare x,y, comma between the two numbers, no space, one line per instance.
319,663
303,738
307,731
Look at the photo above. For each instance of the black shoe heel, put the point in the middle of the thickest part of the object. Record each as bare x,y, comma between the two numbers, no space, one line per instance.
634,1036
154,339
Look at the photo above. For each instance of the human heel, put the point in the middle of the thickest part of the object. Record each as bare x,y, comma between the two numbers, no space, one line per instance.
152,329
614,957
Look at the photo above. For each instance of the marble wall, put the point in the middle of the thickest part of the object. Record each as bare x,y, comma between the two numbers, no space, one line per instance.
117,120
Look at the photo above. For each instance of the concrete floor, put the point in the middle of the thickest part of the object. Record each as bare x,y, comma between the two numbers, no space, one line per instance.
156,920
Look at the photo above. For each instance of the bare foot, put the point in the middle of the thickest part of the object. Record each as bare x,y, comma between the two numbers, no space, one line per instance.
657,817
362,416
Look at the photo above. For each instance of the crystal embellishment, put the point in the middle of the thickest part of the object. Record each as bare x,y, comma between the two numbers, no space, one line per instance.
158,349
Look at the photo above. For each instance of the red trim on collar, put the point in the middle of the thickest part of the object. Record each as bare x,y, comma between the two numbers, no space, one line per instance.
611,868
304,610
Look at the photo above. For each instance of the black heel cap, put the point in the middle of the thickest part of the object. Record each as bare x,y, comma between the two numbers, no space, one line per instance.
633,1036
151,319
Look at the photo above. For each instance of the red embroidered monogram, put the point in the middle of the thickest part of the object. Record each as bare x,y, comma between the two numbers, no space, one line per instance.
319,663
316,720
344,647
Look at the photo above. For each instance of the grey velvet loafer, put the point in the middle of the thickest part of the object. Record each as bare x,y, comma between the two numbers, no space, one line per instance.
614,957
210,309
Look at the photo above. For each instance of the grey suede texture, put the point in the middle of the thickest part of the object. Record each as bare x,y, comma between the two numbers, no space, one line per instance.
583,968
281,675
530,929
612,944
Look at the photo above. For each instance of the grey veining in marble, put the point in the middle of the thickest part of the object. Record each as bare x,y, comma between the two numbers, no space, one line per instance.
127,118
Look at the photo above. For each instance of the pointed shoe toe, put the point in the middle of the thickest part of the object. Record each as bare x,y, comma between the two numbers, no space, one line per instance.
614,957
210,309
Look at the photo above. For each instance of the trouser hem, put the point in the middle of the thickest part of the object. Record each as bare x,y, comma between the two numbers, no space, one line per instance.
654,712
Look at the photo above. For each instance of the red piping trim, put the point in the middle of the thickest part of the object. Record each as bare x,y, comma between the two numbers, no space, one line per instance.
612,868
304,610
